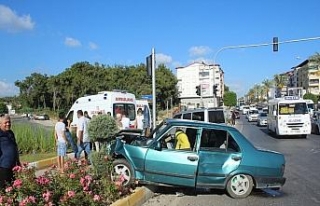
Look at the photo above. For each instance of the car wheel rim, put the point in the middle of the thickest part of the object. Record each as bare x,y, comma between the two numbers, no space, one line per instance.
121,174
240,184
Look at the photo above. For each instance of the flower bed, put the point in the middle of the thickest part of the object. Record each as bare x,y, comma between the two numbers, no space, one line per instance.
79,185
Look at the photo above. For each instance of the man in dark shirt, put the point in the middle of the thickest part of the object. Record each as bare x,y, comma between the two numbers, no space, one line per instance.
9,155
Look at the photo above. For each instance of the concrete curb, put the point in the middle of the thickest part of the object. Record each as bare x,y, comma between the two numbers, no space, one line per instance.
42,164
140,196
137,198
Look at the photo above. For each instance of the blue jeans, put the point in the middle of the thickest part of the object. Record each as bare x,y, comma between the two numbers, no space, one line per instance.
86,147
72,143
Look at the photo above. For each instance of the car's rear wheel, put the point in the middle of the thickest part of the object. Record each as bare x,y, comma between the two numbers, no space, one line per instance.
122,172
240,186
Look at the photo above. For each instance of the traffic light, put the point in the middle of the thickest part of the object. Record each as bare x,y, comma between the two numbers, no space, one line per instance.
198,90
215,90
275,44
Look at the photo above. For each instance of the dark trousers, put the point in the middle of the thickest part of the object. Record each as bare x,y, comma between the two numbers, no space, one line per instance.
6,177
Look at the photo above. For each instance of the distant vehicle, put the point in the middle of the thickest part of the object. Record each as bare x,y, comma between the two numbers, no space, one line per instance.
41,117
104,102
245,109
315,123
252,115
310,105
218,156
262,119
213,115
289,116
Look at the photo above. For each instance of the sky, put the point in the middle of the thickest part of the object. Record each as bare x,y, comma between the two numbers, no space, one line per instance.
50,36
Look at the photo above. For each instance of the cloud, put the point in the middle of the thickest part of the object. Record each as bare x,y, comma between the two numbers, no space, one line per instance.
7,90
163,59
93,46
199,50
71,42
10,21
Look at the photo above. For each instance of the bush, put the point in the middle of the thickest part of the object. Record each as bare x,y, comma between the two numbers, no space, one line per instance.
77,186
102,127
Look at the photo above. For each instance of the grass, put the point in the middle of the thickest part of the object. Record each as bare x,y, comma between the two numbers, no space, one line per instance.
37,157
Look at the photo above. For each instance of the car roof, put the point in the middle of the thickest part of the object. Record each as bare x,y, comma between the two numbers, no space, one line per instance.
187,122
202,109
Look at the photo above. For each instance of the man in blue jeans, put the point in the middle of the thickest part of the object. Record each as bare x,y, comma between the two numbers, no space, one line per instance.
83,140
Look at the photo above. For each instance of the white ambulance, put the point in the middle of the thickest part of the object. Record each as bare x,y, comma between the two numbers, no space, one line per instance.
105,102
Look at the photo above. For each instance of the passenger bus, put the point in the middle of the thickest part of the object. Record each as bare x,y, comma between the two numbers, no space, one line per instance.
289,116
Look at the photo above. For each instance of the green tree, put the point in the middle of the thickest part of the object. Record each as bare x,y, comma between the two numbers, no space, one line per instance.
311,96
230,99
102,127
3,108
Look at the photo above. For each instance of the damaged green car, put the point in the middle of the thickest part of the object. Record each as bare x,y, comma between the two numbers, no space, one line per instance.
213,156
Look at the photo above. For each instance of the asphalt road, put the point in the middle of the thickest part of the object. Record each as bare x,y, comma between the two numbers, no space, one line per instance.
302,173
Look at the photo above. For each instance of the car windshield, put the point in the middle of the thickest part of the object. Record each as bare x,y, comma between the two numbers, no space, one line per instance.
253,112
293,108
263,114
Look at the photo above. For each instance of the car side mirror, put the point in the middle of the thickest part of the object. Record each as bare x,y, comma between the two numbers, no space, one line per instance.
274,113
158,146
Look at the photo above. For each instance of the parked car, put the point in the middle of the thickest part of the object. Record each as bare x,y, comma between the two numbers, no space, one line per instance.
219,156
41,117
213,115
262,119
315,123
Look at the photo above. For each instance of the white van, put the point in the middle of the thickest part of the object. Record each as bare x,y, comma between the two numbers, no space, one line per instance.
104,102
214,115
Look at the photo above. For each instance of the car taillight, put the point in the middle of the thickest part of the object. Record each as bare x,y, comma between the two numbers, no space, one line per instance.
131,126
282,169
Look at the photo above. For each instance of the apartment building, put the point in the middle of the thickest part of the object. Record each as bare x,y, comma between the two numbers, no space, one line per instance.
206,76
306,75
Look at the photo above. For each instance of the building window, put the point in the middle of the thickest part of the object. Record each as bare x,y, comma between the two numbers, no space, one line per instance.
314,81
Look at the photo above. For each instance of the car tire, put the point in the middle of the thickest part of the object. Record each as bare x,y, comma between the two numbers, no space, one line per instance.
240,186
122,171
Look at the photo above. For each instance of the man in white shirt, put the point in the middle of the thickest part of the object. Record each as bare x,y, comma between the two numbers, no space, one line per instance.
125,121
61,141
84,143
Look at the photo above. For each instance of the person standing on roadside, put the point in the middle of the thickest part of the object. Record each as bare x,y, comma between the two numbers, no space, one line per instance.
69,137
61,140
233,118
9,153
83,140
125,120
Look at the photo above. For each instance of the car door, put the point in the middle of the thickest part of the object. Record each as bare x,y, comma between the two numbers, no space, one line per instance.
219,155
171,166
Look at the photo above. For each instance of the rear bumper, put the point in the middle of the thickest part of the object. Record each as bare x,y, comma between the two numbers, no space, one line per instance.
269,182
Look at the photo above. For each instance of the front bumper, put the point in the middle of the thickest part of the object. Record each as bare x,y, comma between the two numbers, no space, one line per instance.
269,182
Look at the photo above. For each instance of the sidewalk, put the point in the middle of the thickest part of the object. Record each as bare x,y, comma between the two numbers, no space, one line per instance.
137,198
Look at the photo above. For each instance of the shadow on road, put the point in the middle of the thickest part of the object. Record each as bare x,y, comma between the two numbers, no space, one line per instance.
179,191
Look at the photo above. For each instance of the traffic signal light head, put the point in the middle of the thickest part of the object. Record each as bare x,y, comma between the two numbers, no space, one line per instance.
275,44
198,90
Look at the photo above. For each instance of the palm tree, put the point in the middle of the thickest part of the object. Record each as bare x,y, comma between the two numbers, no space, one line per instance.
279,82
267,84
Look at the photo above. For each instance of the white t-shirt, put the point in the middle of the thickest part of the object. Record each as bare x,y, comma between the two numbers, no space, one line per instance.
139,120
60,129
83,126
125,123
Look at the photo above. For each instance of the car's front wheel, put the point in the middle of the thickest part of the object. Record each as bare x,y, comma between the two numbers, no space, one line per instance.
122,172
240,186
